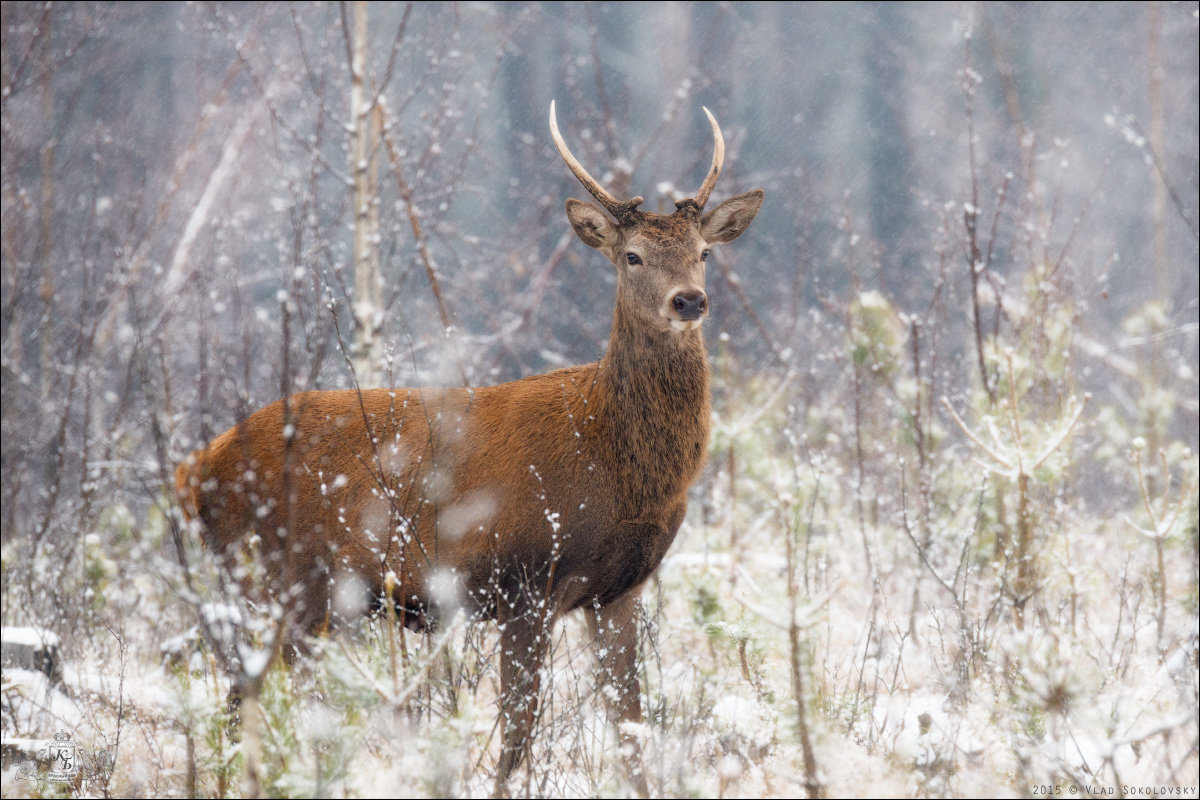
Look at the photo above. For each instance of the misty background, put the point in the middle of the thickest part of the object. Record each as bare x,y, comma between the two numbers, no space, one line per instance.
169,170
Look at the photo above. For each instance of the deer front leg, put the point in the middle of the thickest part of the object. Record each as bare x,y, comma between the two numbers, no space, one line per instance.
523,644
614,636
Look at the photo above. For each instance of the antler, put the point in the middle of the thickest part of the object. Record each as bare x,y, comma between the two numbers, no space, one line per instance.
718,161
617,208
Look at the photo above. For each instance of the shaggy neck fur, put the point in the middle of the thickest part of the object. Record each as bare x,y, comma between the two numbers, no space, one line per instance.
655,386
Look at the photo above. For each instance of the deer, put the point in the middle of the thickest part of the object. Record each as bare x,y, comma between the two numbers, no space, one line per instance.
519,502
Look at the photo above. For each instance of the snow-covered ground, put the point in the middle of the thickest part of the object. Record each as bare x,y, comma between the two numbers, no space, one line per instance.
949,698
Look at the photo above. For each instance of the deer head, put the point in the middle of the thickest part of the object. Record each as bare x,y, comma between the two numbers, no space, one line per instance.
660,260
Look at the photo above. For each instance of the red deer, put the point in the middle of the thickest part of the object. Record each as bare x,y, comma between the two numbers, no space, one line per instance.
520,502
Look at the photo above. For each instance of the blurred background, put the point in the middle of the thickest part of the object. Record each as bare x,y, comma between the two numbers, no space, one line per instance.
995,203
169,170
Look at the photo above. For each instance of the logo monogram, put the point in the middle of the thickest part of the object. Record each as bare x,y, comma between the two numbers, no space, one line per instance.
60,760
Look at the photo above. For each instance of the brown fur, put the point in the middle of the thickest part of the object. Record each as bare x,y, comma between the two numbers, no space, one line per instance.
535,497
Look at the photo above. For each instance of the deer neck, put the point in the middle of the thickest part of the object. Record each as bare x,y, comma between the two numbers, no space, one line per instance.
655,386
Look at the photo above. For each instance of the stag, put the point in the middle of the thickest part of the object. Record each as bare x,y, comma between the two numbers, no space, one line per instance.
519,502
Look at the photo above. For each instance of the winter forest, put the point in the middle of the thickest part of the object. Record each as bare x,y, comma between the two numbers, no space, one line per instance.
944,542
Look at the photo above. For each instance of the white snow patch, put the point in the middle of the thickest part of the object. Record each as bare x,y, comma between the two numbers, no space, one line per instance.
29,636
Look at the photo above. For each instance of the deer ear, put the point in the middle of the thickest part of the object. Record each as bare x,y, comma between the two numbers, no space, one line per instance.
729,220
590,223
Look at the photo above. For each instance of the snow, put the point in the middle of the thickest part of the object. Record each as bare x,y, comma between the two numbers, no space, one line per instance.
28,636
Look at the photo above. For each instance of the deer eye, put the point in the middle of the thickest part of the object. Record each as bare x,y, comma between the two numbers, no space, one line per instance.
704,255
633,259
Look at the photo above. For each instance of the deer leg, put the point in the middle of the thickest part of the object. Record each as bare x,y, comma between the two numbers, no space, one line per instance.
523,644
614,636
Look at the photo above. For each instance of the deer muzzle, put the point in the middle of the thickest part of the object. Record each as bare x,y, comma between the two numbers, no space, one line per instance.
690,305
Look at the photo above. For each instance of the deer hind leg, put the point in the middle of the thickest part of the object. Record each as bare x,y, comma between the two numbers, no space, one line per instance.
614,636
524,640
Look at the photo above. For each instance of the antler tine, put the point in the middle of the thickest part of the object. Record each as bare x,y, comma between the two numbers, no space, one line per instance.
718,161
614,206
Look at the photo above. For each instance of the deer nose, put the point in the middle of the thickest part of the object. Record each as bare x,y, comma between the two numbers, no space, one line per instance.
690,305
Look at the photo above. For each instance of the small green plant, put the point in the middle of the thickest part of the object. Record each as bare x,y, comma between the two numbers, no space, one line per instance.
1019,455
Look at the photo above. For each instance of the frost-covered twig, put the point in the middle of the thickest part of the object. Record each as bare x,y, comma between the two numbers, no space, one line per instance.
1160,528
399,700
971,435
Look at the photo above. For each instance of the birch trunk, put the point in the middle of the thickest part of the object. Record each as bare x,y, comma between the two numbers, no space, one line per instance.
368,282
